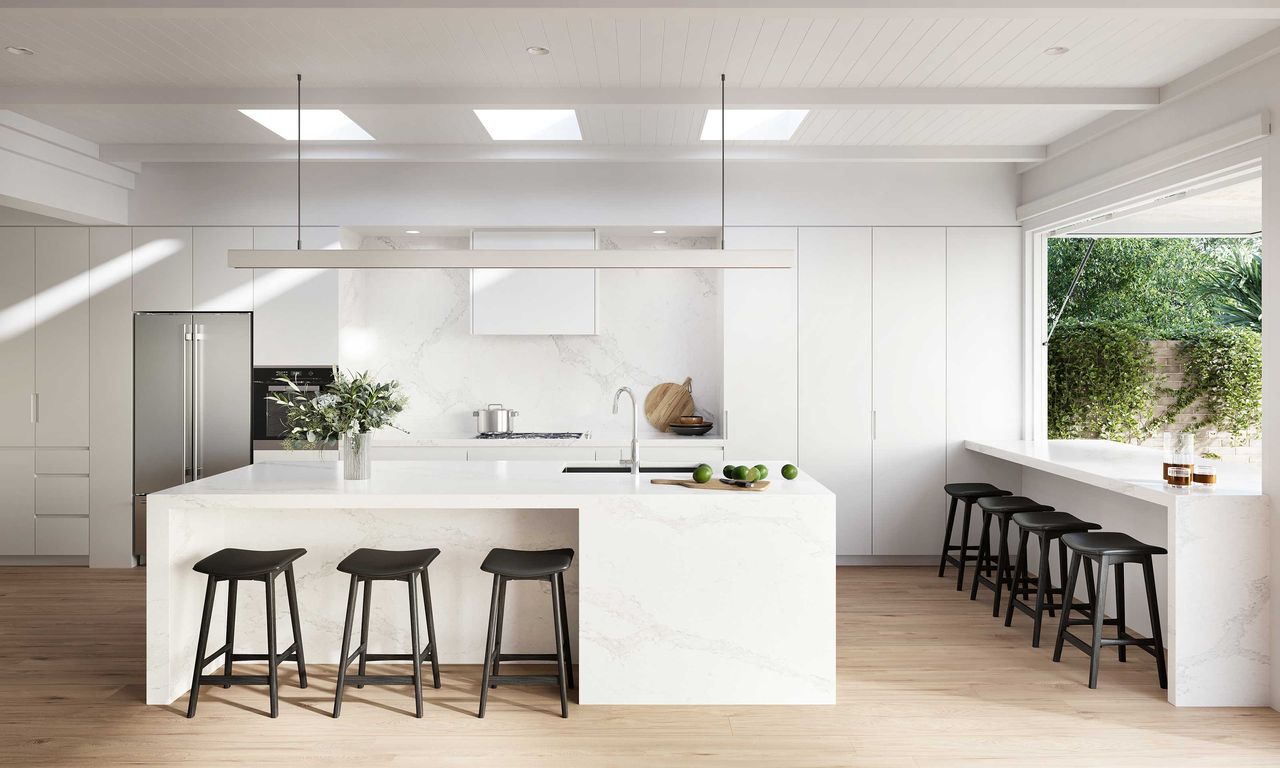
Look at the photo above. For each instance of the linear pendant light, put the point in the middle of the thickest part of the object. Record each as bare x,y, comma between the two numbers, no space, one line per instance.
693,258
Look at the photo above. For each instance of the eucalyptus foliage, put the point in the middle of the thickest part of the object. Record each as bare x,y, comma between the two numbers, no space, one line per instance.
352,403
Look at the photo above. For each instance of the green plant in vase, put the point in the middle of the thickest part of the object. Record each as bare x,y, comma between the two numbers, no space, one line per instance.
350,409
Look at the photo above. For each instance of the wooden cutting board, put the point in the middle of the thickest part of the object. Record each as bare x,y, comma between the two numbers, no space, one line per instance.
667,402
712,485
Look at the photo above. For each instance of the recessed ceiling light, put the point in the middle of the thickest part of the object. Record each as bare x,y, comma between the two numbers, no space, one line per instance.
412,232
659,231
1056,50
753,124
537,50
317,124
530,124
18,50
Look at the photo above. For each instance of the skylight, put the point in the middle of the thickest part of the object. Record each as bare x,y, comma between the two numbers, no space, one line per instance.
530,124
317,124
753,124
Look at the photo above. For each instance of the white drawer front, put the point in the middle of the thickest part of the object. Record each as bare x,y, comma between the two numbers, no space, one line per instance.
62,462
62,495
62,536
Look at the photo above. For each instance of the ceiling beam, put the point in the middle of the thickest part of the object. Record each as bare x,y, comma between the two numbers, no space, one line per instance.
1237,9
1110,99
559,152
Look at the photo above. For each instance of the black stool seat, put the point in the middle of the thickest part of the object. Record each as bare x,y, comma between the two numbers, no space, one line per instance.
387,563
1110,543
527,564
1053,522
973,491
1007,505
247,563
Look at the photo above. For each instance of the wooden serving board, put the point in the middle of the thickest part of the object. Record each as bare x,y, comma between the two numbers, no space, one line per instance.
667,402
711,485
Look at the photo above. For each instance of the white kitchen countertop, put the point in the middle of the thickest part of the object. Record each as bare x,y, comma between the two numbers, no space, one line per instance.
1127,469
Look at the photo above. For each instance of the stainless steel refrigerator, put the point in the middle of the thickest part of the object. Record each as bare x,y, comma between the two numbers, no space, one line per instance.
192,390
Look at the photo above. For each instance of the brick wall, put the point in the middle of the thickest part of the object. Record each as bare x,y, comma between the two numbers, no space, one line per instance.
1169,369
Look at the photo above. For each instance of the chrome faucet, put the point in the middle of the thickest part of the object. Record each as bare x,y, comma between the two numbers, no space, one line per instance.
635,426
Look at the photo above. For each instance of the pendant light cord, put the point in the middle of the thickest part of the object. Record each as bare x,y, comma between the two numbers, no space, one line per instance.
722,139
299,161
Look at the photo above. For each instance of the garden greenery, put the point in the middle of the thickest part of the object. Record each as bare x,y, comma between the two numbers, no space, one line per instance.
1223,370
1102,382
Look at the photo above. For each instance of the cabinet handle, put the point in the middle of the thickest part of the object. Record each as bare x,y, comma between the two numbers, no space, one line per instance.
873,425
35,407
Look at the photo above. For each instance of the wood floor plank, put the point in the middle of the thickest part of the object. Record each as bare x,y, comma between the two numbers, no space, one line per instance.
926,678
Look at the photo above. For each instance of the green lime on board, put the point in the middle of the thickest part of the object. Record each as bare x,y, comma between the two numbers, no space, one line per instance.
708,466
763,470
728,471
740,472
790,472
702,474
753,475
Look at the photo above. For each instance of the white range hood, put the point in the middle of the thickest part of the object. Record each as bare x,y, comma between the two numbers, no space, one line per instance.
477,259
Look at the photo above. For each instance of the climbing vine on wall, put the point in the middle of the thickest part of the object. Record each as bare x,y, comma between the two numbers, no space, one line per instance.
1223,371
1102,382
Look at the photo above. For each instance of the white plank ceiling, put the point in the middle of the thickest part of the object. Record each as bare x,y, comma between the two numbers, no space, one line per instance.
90,62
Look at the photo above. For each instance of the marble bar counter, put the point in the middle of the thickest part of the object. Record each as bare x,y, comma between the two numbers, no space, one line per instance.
676,596
1213,585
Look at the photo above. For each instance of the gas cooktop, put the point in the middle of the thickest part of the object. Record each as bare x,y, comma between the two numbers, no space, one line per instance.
530,435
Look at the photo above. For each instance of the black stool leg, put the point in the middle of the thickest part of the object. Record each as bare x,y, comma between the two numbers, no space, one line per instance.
556,598
1062,573
201,643
364,628
486,664
946,537
1099,614
344,660
231,629
415,655
497,637
431,630
1043,584
1019,576
1067,606
564,626
1091,590
273,678
964,545
1120,625
1002,566
984,555
291,590
1154,608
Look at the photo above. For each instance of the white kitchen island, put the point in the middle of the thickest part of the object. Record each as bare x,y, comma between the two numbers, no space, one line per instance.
676,596
1214,585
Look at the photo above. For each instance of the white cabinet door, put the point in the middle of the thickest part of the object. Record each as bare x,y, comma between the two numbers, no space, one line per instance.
215,287
835,374
759,332
17,502
62,495
17,335
62,336
61,536
909,286
295,311
533,302
162,269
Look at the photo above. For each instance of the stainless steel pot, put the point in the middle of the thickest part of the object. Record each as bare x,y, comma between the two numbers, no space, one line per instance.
495,418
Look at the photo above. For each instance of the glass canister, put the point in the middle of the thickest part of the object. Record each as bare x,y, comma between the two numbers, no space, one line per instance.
1179,477
1179,451
1204,474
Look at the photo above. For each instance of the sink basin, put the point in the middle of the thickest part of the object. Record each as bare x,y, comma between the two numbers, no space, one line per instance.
620,470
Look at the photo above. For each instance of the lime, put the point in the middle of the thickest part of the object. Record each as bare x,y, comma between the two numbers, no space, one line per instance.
753,475
708,466
702,474
728,471
790,472
740,472
763,470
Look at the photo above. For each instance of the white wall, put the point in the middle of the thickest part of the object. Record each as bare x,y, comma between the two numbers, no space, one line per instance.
1239,96
576,194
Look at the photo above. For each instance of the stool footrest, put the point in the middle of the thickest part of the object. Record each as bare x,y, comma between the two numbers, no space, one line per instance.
527,657
1105,622
525,679
235,679
379,680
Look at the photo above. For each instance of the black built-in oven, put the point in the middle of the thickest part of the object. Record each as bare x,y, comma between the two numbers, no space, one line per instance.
269,427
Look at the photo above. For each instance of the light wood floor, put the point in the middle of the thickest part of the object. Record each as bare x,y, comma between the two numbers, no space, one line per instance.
926,678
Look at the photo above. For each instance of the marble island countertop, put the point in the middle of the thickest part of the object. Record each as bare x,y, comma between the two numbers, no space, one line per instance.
451,483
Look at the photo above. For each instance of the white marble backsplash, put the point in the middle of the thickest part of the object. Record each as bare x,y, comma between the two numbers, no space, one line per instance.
413,326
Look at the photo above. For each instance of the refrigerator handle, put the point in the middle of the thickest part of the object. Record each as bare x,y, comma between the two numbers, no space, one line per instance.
197,394
35,407
187,459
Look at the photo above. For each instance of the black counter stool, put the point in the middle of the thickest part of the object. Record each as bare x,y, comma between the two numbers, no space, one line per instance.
968,493
367,566
524,565
1047,526
1001,508
1111,549
234,566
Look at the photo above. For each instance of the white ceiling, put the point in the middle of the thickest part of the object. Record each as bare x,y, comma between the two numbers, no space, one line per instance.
172,74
